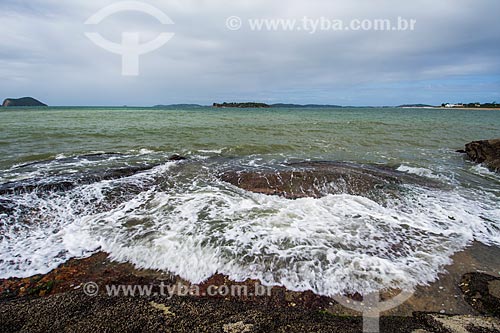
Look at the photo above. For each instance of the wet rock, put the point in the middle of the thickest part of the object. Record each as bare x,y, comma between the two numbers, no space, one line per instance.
5,207
486,151
57,302
239,327
32,185
317,179
87,157
65,182
76,312
176,157
449,323
68,182
482,292
74,273
494,288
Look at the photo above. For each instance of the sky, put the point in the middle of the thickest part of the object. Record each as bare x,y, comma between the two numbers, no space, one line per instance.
452,55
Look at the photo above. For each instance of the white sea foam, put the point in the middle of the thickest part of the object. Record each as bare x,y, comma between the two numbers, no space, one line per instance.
424,172
199,227
210,151
481,170
145,151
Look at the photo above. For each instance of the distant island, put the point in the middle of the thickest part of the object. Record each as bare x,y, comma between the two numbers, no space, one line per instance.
22,102
241,105
264,105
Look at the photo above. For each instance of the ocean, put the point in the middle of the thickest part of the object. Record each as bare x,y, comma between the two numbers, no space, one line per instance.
60,196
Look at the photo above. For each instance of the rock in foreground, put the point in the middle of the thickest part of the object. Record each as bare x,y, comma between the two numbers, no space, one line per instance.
318,179
22,102
486,151
482,292
57,302
76,312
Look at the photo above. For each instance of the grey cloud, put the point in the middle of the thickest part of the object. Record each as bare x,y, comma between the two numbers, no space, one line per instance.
44,53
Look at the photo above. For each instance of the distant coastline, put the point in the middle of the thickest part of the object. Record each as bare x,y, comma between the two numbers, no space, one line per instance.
32,102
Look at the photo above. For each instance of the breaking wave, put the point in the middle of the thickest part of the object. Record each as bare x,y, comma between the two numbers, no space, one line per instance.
182,219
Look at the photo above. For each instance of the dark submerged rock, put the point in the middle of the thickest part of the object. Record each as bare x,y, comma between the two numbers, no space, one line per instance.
176,157
88,157
68,182
486,151
5,207
318,179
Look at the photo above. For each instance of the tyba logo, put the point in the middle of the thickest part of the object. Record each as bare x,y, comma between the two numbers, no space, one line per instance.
130,48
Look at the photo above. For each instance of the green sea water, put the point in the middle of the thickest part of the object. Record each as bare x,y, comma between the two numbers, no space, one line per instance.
179,217
381,135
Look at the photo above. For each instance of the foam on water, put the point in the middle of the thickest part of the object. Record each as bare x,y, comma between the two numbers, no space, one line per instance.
424,172
63,164
31,238
481,170
211,151
29,248
145,151
201,226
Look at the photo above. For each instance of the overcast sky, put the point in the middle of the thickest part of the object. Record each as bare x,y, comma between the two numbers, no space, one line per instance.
453,55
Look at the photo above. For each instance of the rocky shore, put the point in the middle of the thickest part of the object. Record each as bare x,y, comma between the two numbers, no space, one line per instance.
75,312
464,299
60,300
